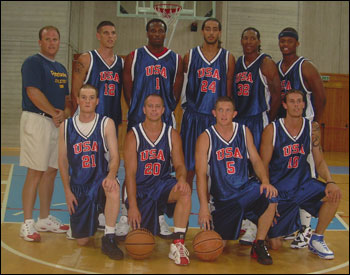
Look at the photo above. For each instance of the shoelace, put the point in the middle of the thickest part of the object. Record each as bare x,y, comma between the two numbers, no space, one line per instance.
182,250
55,220
324,246
30,229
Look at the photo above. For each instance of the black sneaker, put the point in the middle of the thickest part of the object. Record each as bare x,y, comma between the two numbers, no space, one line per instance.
259,252
110,248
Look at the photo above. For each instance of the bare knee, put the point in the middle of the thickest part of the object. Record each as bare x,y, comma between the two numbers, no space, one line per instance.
83,241
113,194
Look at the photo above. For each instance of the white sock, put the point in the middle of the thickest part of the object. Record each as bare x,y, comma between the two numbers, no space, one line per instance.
179,230
109,230
123,210
305,217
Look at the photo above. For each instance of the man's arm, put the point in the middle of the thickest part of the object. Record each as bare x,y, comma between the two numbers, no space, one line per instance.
313,83
63,167
259,167
179,80
201,160
110,134
127,79
81,67
266,147
230,72
178,160
269,70
332,191
130,163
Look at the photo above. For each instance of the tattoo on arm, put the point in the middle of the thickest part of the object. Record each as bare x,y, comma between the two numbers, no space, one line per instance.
316,137
78,68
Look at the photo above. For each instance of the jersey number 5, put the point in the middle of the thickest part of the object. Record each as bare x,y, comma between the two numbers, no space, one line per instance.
230,167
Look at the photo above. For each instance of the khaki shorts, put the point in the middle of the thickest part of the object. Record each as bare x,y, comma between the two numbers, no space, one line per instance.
39,142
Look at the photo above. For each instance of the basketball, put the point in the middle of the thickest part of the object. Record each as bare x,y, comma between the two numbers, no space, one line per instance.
139,243
208,245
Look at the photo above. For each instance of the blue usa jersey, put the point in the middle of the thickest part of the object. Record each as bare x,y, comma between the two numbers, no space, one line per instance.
86,155
108,80
204,81
292,161
154,159
151,74
250,90
293,79
227,162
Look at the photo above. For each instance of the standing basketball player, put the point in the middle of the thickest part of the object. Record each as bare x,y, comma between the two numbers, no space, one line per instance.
45,105
222,153
103,69
152,69
291,151
300,74
256,87
152,146
88,178
208,75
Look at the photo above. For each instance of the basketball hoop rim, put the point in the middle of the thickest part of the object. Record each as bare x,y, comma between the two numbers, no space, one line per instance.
161,7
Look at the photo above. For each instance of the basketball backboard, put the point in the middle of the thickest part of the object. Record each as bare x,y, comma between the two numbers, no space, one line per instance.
192,10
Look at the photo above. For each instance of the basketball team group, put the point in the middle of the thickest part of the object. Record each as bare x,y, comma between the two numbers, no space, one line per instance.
249,134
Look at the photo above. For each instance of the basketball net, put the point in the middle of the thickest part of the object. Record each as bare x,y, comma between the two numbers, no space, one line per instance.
169,13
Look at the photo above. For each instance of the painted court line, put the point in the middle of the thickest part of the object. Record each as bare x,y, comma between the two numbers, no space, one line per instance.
6,195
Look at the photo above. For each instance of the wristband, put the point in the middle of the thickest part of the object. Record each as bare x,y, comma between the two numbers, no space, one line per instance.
330,182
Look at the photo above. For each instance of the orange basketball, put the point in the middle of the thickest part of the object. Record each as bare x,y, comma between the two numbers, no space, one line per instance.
208,245
139,243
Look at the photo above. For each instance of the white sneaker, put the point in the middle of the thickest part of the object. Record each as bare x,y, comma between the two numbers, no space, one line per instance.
319,247
52,224
101,222
164,228
303,237
249,235
122,227
244,226
179,253
69,235
28,231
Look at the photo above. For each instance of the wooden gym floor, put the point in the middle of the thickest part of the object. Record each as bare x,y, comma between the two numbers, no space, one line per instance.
56,254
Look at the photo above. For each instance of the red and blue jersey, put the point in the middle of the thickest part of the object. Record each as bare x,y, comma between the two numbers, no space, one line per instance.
152,74
227,162
293,79
153,158
205,81
86,156
250,90
108,80
292,162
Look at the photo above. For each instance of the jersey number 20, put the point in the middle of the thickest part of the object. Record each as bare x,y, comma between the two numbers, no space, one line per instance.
152,169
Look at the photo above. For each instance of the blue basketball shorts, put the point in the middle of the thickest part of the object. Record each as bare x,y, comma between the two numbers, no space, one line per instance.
256,125
308,197
193,124
247,202
154,202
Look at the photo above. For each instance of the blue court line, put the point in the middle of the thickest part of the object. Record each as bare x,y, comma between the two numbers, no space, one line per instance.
59,208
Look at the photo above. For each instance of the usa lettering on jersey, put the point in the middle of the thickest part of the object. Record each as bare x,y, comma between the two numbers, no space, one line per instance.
87,161
243,89
208,72
293,149
285,85
229,153
109,87
152,168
